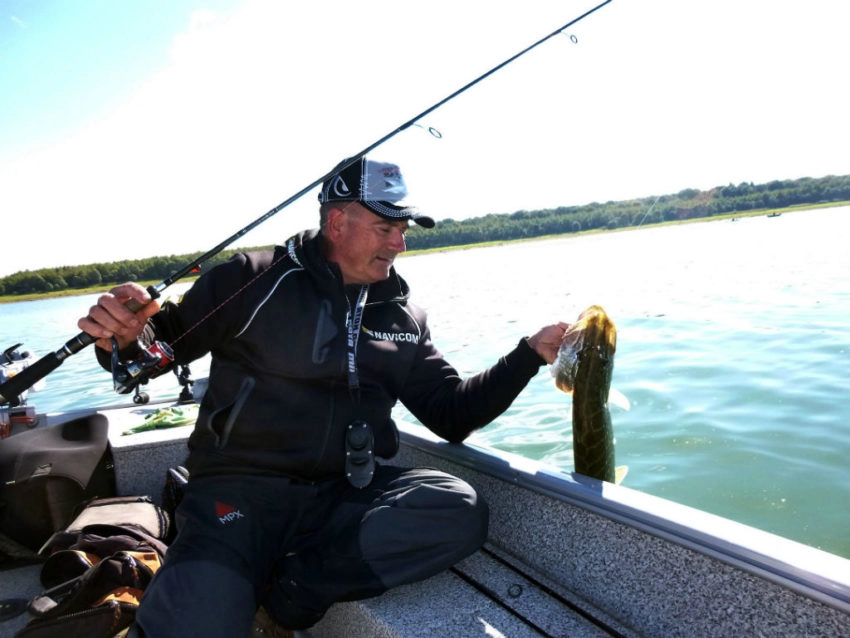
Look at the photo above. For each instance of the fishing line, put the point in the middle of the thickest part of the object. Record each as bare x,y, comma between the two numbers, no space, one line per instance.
648,211
11,390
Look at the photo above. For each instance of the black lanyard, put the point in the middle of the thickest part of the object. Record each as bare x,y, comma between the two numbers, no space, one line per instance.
359,438
353,322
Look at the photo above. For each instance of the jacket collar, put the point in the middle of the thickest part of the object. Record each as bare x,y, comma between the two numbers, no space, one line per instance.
308,249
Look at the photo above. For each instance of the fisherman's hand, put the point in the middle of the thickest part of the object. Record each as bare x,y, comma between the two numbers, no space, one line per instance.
547,340
111,317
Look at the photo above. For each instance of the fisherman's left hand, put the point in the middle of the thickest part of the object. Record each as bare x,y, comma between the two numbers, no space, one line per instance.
547,340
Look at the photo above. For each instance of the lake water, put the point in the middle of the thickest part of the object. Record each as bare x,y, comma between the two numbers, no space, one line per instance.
733,352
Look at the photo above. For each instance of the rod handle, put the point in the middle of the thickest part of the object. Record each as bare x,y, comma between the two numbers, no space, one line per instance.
12,389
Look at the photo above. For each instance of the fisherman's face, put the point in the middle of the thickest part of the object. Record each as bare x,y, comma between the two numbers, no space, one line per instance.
363,244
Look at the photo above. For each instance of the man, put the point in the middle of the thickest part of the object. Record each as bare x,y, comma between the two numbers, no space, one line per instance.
312,344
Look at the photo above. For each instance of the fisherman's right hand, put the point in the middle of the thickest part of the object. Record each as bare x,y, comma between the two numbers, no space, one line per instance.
546,341
111,317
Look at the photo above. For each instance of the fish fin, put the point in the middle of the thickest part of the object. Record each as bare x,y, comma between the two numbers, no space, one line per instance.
620,473
615,397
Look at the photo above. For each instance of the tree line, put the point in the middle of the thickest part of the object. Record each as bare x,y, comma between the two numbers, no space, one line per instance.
687,204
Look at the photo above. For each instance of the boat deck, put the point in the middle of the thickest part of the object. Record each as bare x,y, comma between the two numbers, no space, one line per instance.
485,595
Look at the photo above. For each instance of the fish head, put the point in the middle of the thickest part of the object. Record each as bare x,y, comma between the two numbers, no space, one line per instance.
593,330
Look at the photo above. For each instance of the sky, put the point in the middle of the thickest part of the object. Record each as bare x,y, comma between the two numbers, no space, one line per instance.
137,129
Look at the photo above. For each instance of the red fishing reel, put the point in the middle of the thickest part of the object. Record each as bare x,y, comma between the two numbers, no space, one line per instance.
151,362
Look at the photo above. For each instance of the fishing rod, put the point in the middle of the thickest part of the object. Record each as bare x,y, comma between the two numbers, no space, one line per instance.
11,390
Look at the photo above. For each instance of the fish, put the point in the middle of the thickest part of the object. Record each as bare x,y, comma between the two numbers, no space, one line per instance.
583,368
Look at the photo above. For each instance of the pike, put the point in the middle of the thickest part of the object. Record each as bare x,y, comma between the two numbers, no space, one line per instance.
583,368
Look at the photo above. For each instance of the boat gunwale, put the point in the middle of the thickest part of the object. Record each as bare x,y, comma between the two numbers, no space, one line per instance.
809,571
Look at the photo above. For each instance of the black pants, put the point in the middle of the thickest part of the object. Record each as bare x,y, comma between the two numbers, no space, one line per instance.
299,547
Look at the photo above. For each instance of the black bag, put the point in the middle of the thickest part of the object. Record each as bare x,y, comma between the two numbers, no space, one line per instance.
98,568
47,473
97,604
135,516
104,621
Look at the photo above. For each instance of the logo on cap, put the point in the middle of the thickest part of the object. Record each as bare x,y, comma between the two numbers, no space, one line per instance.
339,187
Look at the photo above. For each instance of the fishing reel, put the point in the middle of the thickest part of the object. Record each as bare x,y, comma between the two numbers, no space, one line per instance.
13,361
151,362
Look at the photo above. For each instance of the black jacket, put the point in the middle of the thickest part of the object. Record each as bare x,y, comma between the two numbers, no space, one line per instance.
279,398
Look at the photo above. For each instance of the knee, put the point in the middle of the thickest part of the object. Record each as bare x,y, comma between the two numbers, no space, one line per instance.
474,520
453,505
468,509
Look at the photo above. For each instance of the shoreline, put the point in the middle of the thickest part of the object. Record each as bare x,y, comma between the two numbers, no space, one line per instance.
766,212
6,299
